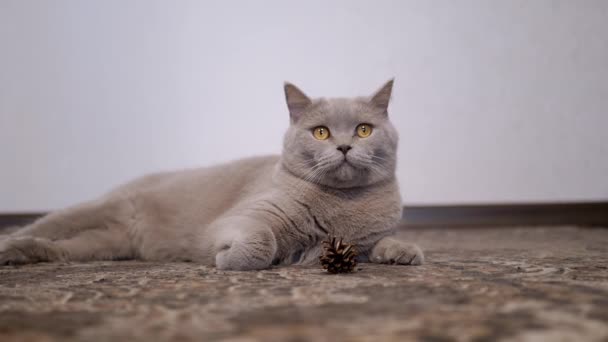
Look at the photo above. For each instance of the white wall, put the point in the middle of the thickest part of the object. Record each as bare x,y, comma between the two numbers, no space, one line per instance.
495,100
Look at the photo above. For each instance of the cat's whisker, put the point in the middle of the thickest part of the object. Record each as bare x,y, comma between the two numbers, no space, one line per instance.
377,169
308,177
378,157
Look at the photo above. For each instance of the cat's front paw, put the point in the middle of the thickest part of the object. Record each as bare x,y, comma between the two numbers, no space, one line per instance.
28,250
253,251
392,251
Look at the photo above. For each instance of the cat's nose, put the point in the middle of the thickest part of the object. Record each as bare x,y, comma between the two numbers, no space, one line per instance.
344,148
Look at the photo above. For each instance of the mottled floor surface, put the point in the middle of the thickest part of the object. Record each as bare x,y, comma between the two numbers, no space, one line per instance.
508,284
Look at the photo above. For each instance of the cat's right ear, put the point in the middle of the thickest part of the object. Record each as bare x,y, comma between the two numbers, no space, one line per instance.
382,97
297,101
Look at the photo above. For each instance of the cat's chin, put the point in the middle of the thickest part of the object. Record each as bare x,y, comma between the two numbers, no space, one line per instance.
342,174
346,174
345,171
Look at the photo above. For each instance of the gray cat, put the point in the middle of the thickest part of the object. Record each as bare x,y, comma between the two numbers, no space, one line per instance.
336,176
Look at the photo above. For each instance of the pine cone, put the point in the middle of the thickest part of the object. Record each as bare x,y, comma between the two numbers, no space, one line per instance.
338,257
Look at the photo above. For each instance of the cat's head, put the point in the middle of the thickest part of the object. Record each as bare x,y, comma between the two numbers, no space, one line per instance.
340,142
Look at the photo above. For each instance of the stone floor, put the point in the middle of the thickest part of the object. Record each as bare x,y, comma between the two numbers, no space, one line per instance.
501,284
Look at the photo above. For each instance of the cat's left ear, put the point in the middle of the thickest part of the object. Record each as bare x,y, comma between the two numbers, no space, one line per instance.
383,96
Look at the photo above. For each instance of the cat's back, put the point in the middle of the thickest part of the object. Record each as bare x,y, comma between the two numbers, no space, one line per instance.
217,181
181,199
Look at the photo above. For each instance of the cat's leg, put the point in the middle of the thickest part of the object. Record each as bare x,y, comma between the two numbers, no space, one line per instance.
243,243
66,223
91,231
29,250
108,244
390,250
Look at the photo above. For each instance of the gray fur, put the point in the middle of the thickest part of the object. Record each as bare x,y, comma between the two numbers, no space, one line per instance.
251,213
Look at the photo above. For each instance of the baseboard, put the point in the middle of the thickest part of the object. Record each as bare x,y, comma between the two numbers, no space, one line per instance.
18,219
546,214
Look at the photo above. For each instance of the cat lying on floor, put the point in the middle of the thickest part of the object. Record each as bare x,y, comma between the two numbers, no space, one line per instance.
336,176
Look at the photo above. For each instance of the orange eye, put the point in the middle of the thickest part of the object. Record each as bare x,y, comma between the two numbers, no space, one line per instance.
320,133
364,130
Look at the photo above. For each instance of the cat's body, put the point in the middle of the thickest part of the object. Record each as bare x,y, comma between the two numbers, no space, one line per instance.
247,214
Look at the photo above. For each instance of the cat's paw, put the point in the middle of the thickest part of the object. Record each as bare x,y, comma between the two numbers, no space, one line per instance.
253,251
28,250
392,251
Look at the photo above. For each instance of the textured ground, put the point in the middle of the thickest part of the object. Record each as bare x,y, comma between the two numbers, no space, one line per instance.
478,285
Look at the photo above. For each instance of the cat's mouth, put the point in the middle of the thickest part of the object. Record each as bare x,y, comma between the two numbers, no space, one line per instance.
346,163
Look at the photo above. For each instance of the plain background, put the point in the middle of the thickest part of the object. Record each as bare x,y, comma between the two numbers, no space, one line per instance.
495,101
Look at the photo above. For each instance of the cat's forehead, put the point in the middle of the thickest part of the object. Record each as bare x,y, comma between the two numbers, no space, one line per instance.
337,111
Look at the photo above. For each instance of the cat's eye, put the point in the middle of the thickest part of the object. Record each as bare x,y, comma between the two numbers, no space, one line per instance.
320,133
364,130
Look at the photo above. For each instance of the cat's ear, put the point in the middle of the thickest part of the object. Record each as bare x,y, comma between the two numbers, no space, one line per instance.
297,101
382,97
